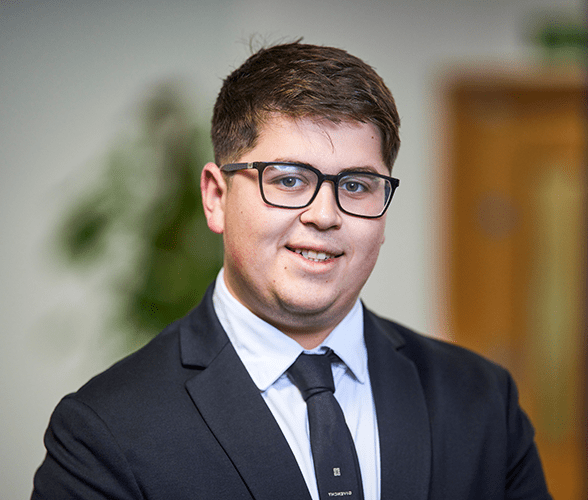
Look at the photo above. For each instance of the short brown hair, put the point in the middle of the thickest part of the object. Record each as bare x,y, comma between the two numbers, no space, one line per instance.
301,81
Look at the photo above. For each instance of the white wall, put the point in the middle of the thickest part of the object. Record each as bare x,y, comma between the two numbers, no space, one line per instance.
70,72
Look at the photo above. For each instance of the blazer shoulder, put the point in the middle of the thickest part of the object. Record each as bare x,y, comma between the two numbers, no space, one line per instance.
154,365
167,361
441,361
473,406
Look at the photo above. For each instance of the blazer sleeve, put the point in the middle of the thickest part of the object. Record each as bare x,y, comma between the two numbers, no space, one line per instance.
525,478
83,460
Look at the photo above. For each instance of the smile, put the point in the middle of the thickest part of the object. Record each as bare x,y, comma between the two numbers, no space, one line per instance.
314,256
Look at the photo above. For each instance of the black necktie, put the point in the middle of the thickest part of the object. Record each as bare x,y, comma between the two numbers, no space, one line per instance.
333,452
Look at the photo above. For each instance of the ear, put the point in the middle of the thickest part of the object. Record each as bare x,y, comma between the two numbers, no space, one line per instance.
214,191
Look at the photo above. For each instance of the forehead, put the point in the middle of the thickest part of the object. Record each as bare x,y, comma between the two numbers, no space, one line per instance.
328,146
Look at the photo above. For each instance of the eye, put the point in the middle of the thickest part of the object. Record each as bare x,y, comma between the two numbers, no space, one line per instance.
289,182
360,185
288,178
353,186
356,186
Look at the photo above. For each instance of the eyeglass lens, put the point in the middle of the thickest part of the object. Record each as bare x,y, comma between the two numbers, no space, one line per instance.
294,186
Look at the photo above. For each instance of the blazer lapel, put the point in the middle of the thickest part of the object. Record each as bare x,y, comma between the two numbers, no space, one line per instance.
403,420
235,412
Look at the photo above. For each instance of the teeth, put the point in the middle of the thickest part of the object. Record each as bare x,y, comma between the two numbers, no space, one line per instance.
314,256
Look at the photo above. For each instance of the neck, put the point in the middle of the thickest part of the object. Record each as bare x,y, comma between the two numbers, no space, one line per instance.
309,330
309,340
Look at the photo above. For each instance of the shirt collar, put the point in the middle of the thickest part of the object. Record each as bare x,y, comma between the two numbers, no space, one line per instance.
267,353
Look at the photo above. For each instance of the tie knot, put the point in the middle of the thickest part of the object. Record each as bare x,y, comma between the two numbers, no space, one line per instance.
312,374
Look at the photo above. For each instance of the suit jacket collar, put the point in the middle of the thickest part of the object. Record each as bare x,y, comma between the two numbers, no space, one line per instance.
401,409
234,410
202,337
232,407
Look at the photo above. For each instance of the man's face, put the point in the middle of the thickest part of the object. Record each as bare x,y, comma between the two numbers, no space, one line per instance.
300,269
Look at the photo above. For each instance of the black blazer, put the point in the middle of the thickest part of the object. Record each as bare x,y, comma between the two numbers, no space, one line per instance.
182,419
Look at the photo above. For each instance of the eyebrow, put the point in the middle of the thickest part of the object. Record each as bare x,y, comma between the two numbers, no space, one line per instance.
365,168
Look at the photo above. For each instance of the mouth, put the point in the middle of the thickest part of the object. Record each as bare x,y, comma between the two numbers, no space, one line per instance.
313,255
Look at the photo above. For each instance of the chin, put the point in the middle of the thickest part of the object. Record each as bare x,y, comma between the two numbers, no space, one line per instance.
307,303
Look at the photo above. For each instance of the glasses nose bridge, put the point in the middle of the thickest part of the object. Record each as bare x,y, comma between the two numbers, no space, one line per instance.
334,179
327,205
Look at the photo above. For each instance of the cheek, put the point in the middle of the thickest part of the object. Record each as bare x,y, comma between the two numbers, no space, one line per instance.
373,238
233,255
244,241
372,243
238,248
235,236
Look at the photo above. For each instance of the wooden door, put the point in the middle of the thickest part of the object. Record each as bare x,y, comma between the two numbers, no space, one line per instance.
516,247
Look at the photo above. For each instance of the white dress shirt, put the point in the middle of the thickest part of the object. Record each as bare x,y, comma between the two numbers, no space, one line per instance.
267,353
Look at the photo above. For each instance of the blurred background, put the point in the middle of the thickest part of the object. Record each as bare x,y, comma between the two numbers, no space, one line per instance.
104,118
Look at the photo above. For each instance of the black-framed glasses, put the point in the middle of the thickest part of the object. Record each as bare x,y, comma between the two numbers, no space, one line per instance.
294,185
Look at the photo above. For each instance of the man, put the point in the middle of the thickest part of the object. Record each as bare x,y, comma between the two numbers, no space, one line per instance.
215,407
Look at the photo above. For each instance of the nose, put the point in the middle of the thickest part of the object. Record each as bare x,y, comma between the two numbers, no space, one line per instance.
323,211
